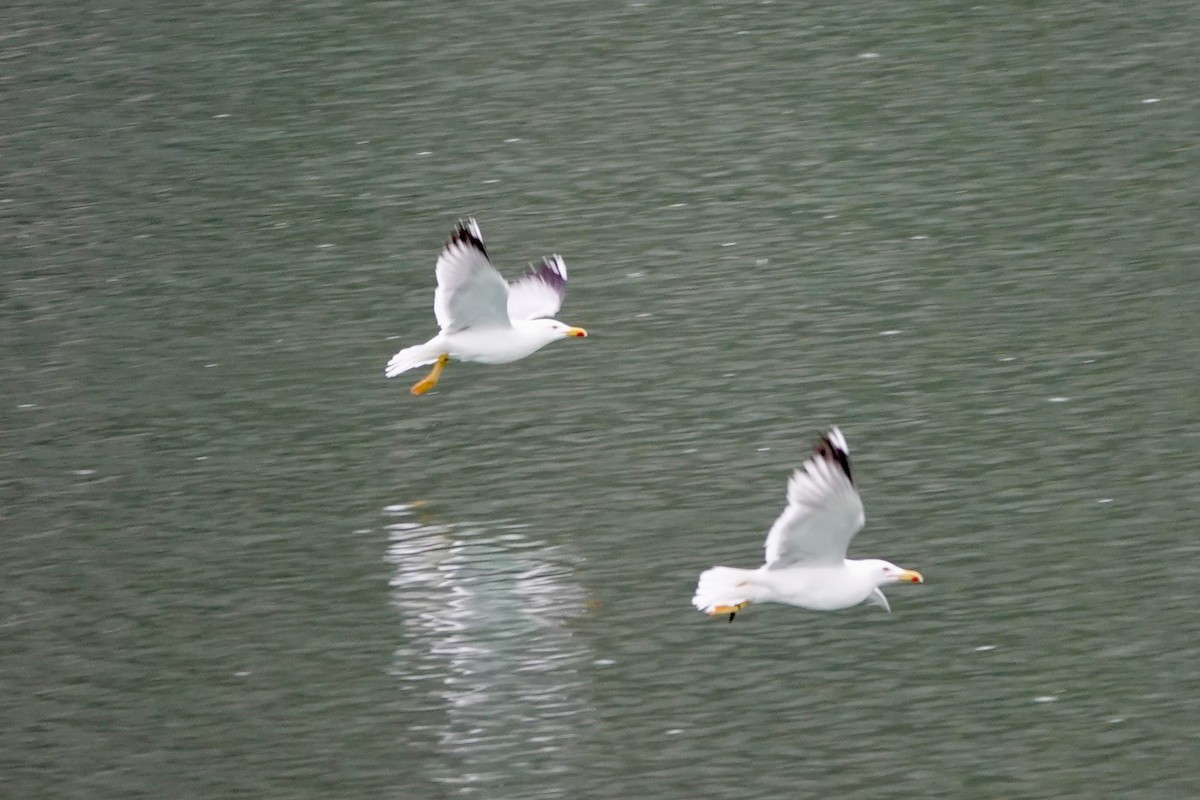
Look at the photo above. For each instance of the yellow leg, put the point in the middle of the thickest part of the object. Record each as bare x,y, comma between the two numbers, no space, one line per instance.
429,381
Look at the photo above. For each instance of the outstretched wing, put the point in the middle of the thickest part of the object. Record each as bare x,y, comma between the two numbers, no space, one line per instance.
470,292
824,510
541,292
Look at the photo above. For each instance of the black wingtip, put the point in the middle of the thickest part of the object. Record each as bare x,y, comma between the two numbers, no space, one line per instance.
831,450
467,234
552,271
732,614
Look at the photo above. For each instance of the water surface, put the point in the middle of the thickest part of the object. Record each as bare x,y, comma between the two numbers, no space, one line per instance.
239,562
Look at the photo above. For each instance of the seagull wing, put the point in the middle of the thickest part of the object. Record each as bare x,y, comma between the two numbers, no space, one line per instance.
824,510
541,292
470,292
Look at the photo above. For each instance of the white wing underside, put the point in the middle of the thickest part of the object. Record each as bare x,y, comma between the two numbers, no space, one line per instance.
823,513
470,292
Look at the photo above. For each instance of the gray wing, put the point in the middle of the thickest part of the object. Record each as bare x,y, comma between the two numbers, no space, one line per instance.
470,292
824,510
541,292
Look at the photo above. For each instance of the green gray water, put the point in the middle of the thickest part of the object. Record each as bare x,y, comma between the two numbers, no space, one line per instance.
237,562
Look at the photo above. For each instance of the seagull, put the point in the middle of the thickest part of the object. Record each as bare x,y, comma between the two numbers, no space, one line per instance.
481,317
806,562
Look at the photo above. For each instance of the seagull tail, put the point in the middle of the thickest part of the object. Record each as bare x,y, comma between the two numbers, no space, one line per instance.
411,357
724,590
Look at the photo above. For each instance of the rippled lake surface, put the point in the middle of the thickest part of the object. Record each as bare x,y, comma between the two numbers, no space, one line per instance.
238,562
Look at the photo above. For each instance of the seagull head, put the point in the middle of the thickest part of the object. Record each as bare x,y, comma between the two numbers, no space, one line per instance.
888,573
553,329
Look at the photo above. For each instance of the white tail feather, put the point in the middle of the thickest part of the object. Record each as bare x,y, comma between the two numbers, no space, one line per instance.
723,586
410,357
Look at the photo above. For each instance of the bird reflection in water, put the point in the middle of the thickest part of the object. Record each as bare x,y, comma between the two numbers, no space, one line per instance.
487,616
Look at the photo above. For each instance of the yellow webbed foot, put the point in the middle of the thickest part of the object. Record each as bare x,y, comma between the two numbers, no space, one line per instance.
429,381
424,385
730,610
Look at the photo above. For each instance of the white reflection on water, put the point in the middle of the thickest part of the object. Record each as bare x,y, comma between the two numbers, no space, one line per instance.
487,613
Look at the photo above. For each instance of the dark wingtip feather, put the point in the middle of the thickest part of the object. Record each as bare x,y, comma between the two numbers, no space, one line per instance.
552,271
829,450
467,234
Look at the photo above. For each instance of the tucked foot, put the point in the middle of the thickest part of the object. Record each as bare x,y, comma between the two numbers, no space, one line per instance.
730,610
429,381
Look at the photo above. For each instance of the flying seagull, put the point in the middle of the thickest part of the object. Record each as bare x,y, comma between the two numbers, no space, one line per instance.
483,318
806,561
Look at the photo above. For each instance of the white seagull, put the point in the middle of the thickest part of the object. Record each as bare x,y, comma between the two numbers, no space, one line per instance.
806,547
483,318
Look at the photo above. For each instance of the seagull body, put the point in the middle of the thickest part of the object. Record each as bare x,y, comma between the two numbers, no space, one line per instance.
482,318
806,562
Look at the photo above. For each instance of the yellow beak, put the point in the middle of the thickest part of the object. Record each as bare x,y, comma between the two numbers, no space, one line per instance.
911,576
576,332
